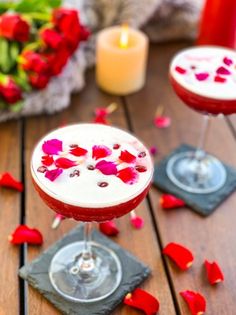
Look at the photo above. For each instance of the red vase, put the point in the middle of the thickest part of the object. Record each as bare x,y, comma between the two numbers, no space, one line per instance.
218,24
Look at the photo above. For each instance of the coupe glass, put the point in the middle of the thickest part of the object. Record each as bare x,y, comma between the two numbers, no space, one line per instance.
89,172
204,78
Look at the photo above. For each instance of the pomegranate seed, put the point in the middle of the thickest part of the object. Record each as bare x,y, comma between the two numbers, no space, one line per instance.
75,173
102,184
116,146
140,168
90,167
73,146
42,169
142,154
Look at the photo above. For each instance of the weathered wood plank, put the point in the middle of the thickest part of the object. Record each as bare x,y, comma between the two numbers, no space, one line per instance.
9,218
209,238
142,243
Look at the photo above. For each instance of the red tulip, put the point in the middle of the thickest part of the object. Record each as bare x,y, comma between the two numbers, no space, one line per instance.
8,181
10,91
24,234
52,38
33,61
214,273
180,255
13,27
38,81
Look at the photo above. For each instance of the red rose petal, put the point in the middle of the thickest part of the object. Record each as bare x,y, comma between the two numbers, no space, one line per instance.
142,300
100,120
65,163
101,111
136,221
107,168
168,201
162,121
180,70
128,175
219,79
153,150
196,302
47,160
24,234
109,228
51,147
100,151
127,157
201,76
8,181
228,61
53,174
57,221
214,273
78,151
179,254
223,71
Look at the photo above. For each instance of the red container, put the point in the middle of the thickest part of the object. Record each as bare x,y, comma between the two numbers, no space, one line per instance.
218,24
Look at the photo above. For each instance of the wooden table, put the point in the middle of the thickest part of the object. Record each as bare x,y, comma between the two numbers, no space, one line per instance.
211,238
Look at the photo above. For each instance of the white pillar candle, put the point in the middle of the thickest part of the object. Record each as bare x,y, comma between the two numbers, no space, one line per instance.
121,58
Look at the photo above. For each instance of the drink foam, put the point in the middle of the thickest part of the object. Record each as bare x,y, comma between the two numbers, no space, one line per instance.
204,71
84,190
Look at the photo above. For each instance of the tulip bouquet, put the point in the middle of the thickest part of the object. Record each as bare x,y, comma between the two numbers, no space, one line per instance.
37,38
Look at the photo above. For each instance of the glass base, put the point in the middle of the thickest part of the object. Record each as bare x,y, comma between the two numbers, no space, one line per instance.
89,285
199,176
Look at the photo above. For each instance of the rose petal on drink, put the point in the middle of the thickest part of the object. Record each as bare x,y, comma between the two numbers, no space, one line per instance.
53,146
8,181
196,302
214,273
47,160
223,71
142,300
53,174
162,121
24,234
128,175
181,255
227,61
153,150
65,163
107,168
109,228
219,79
127,157
202,76
78,151
100,151
180,70
168,201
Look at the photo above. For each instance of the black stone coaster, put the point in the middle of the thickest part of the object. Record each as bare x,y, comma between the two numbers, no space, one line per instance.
204,204
36,273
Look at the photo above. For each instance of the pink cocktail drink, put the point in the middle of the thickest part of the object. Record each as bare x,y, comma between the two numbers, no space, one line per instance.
204,77
89,172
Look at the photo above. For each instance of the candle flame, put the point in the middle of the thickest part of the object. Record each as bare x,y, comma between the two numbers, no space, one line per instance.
124,36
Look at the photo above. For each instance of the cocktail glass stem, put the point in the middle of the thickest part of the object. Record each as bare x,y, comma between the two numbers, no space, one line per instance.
203,136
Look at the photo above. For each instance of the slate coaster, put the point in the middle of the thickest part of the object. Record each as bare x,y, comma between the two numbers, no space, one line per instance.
36,273
204,204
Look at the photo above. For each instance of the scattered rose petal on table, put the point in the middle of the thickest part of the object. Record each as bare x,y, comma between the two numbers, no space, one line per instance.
109,228
51,147
128,175
78,151
168,201
223,71
214,273
57,221
153,150
47,160
228,61
65,163
196,302
8,181
136,221
106,167
201,76
162,121
100,151
142,300
24,234
127,157
53,174
100,120
181,255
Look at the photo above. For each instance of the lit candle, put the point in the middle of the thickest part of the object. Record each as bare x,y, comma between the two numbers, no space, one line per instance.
121,60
